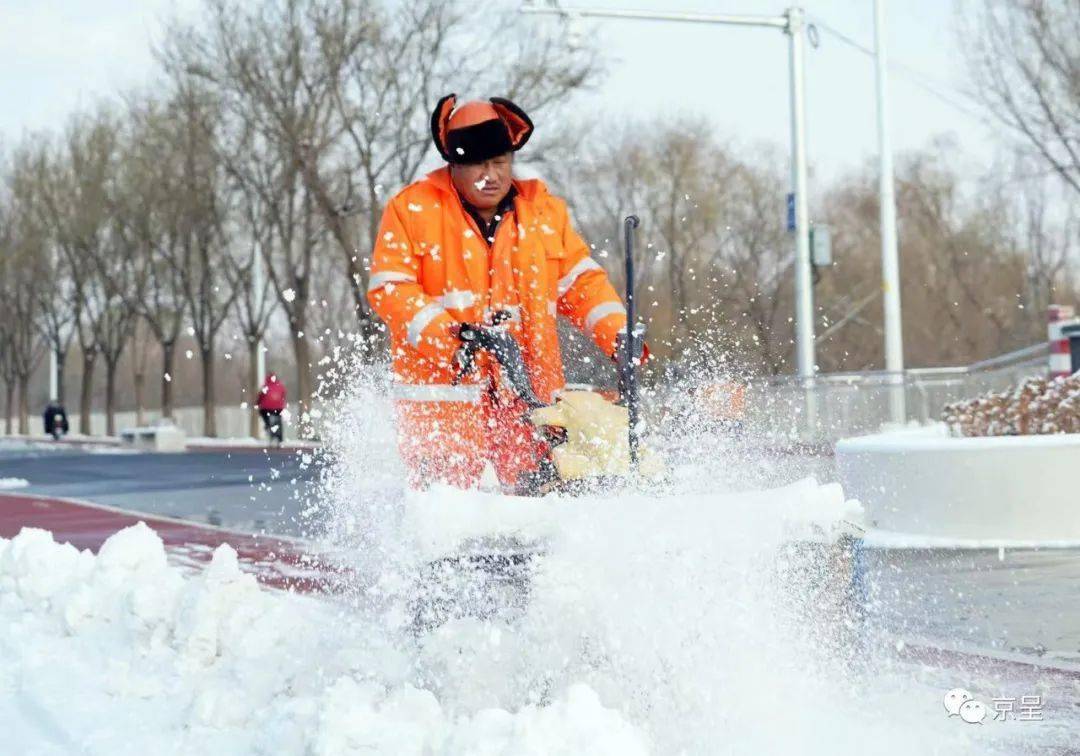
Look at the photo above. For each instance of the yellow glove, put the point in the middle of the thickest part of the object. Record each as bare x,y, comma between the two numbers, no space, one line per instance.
596,437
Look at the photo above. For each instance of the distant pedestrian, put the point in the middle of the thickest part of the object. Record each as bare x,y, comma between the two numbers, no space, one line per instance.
271,405
55,420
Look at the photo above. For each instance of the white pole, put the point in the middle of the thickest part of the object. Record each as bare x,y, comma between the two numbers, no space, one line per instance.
54,378
257,282
890,264
804,286
260,356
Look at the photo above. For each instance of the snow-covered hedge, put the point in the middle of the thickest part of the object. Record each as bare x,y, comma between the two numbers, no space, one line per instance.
1037,406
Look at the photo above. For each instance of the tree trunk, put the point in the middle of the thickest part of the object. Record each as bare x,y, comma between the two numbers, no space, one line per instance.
254,381
110,397
86,394
209,403
9,390
24,405
140,410
168,358
60,394
302,351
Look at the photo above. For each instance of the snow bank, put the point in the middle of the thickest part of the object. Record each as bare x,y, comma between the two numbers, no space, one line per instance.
9,483
122,653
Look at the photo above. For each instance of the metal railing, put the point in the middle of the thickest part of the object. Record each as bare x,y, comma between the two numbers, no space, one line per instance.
850,404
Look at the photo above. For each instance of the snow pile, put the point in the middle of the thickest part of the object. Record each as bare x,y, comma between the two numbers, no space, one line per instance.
122,653
9,483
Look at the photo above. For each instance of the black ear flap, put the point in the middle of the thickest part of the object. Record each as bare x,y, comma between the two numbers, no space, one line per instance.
440,121
518,124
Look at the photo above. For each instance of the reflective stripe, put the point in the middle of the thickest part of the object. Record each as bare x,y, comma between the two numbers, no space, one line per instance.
458,300
585,264
600,312
381,279
553,308
438,392
421,320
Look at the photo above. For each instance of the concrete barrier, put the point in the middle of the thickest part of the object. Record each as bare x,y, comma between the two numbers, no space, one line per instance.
162,437
936,489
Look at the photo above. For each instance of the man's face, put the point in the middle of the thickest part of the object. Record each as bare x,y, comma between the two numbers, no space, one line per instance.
483,185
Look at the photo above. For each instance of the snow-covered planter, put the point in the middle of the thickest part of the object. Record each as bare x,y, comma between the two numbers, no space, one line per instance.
923,486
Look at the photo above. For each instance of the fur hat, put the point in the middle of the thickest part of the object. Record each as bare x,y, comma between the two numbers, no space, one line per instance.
479,129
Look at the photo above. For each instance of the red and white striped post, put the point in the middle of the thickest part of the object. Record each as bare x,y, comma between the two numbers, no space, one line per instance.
1060,357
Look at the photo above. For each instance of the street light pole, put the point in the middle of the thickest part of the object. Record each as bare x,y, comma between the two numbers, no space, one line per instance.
890,264
257,278
54,377
791,23
804,286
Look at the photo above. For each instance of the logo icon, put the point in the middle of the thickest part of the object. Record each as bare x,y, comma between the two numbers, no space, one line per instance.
973,712
956,698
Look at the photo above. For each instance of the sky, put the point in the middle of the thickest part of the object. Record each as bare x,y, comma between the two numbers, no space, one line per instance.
59,55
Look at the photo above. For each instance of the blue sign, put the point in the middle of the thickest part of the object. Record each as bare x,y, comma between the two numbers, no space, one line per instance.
791,211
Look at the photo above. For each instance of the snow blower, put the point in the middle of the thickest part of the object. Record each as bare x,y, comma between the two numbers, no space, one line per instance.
593,444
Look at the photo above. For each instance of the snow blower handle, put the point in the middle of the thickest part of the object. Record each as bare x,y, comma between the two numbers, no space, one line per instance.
496,341
628,389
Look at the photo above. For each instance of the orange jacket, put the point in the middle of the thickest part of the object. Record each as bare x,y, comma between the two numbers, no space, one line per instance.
431,269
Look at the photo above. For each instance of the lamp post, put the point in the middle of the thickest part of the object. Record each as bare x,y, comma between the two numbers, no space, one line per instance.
890,264
791,23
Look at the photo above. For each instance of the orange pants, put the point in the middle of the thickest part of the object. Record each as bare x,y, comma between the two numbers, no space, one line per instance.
449,442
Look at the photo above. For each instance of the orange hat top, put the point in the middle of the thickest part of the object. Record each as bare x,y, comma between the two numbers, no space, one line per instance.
479,129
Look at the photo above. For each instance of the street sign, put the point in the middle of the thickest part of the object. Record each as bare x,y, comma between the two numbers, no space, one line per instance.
820,246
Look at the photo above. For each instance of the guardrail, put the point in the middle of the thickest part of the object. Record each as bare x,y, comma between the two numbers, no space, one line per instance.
856,403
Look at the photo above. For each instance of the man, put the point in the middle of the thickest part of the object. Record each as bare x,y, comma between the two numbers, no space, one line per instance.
467,241
55,420
272,402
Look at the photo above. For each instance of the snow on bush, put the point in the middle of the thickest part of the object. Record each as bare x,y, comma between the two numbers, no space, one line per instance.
1035,407
123,653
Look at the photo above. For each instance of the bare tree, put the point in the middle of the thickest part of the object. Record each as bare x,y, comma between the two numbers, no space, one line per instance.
7,371
259,62
22,247
1025,59
201,204
75,205
253,305
55,298
714,261
153,168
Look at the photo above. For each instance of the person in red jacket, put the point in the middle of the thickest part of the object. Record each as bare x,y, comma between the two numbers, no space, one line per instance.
271,405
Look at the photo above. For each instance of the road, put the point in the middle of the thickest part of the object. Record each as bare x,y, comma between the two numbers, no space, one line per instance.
251,490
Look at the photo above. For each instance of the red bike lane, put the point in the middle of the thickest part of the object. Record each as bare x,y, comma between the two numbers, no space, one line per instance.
275,561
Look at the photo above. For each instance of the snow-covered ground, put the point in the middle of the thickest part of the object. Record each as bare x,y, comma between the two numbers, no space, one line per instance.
123,653
198,442
653,626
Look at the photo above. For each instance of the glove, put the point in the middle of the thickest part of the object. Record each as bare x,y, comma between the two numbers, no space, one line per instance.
596,437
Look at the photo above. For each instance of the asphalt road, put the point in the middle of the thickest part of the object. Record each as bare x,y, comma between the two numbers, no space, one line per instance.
251,490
